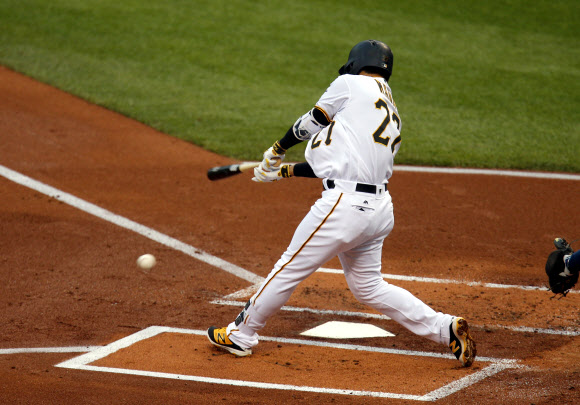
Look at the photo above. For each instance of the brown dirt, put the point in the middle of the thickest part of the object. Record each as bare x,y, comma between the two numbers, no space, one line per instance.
70,278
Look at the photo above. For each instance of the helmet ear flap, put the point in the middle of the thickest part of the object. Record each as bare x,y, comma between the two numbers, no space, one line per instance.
346,68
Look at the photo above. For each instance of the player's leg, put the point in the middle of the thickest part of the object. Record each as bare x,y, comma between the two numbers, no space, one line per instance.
362,269
315,242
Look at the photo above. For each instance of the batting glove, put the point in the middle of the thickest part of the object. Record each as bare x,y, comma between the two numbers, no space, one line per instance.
273,158
261,176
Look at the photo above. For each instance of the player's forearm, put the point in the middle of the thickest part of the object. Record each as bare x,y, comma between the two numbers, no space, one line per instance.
289,140
303,170
309,124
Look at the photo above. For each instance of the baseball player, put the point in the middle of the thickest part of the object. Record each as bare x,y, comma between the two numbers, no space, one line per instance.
353,134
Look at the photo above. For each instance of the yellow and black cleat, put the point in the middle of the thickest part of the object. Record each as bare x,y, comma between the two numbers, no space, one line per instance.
219,337
461,343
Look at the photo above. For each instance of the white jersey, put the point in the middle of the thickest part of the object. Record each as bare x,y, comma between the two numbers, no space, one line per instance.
363,137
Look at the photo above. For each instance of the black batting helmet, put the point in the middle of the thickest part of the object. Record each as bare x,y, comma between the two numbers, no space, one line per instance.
371,54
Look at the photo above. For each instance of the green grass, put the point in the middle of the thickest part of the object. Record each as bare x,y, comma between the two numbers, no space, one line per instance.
477,84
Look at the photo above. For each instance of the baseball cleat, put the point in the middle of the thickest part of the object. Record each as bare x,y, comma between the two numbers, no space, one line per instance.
461,343
219,337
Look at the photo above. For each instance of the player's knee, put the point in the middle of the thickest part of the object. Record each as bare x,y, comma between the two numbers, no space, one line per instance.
365,291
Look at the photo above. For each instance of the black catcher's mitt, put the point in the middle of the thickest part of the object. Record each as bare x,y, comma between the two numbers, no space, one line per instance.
560,279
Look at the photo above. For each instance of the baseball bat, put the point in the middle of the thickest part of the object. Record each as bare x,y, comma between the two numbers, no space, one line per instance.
222,172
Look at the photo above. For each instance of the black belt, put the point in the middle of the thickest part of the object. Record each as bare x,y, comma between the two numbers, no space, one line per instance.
361,187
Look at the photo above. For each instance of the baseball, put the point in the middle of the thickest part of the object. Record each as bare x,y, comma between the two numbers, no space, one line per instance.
146,262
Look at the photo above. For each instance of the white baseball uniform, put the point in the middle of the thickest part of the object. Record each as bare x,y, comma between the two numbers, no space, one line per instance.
354,157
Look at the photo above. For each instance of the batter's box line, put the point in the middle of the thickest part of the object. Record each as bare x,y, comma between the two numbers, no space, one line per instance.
253,288
83,362
449,281
243,294
310,310
368,315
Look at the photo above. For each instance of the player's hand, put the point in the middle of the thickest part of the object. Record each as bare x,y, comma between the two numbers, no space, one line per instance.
284,172
273,158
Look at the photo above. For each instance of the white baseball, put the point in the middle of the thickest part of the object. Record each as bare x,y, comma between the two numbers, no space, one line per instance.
146,262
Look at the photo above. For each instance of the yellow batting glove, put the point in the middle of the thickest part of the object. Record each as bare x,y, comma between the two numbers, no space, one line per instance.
273,158
284,172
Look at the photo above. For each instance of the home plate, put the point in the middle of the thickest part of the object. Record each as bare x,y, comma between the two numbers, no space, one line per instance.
346,330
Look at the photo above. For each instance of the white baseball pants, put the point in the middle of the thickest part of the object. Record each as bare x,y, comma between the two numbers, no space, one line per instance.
353,226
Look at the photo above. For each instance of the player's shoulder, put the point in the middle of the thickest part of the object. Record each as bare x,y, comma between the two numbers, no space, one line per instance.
357,86
339,87
341,80
350,83
346,78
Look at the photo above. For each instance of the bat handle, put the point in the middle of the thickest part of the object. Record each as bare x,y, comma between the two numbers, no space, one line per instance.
247,166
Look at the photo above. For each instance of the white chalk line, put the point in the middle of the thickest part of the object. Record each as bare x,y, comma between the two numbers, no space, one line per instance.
367,315
449,281
71,349
309,310
529,329
245,293
128,224
332,345
249,291
471,379
82,362
488,172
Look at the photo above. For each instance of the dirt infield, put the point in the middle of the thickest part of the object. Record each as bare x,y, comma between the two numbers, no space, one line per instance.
70,280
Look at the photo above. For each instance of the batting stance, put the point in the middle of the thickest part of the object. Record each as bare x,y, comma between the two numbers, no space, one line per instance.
353,135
